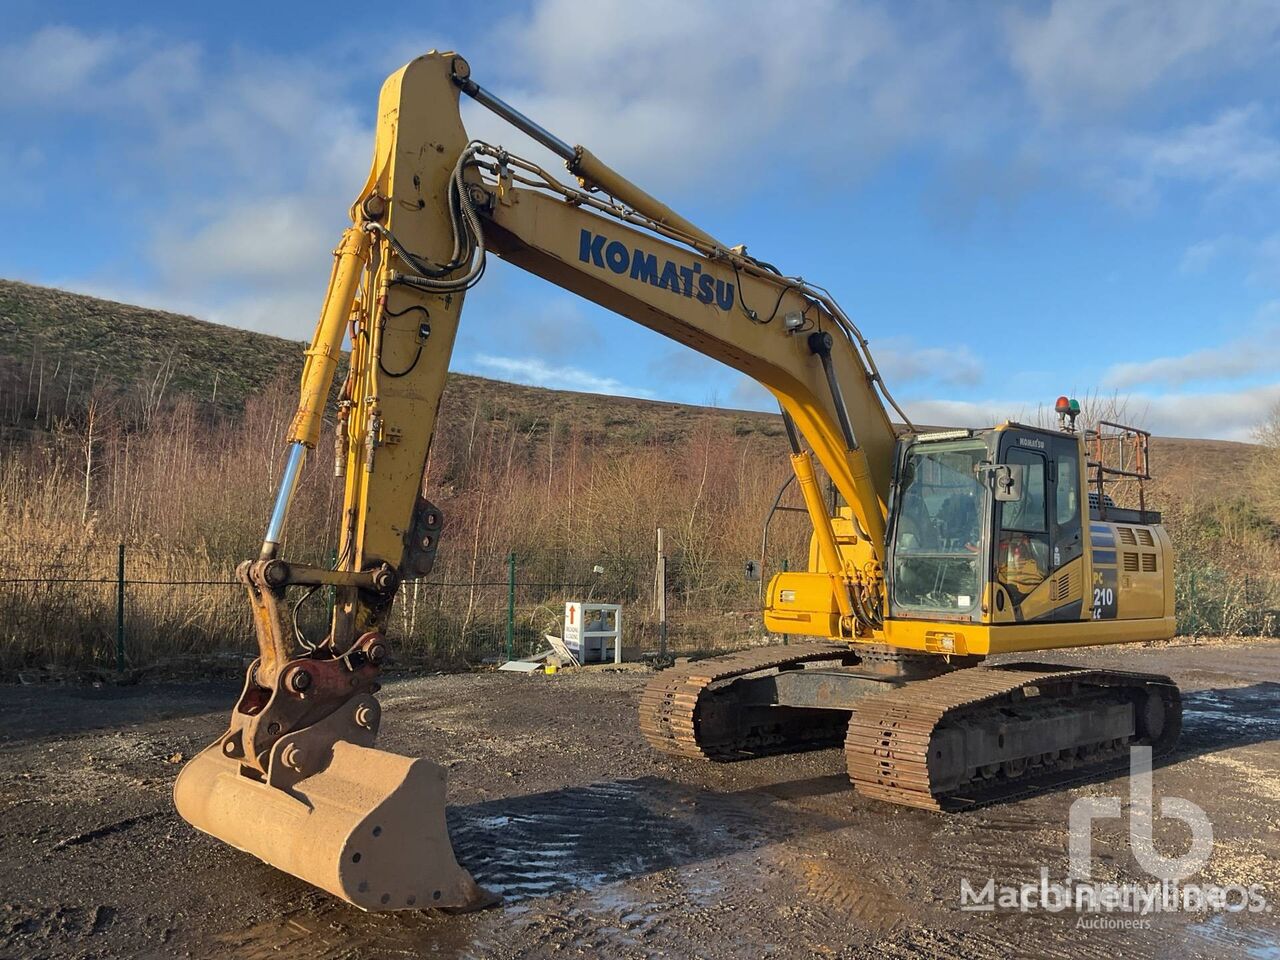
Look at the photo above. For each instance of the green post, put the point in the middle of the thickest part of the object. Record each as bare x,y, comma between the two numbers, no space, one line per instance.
511,603
120,610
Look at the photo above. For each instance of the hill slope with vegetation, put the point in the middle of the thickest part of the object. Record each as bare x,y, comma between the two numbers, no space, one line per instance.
68,343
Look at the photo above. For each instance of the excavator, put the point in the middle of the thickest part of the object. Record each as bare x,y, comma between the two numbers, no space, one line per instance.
939,551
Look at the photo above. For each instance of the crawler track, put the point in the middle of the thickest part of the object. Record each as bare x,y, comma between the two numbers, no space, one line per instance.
688,711
904,745
895,743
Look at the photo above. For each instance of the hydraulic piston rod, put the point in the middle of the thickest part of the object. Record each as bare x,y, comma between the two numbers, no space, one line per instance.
580,161
284,496
462,77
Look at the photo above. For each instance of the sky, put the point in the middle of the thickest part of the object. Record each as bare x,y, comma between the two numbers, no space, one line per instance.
1012,201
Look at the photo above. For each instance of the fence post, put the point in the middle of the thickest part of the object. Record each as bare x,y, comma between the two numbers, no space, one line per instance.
511,603
660,586
120,610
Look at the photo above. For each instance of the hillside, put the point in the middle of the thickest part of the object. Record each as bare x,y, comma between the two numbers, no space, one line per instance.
72,340
65,337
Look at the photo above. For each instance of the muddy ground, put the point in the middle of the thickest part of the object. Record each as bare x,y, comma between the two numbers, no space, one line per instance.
602,848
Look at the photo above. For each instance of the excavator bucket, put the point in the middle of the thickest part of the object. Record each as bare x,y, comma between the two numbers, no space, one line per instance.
367,826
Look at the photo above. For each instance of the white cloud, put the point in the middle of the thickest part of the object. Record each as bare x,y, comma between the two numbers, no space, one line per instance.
135,72
1221,415
286,310
671,91
53,64
1216,362
267,239
1236,359
1234,147
747,394
1088,56
1200,255
903,361
1257,352
960,413
1225,415
539,373
1132,97
244,167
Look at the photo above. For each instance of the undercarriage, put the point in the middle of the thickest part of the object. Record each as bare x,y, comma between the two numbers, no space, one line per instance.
917,729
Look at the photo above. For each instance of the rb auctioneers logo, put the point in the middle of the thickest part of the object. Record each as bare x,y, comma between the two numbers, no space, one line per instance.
1139,900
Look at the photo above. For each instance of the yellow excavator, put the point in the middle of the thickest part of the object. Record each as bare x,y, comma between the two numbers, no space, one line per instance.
937,551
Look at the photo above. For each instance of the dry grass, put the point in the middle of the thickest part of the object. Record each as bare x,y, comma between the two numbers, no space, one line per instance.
187,488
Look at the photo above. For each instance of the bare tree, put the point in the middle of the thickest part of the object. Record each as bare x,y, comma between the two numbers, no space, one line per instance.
1267,476
93,424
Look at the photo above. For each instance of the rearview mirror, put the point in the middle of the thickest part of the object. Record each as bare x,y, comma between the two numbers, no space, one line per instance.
1006,481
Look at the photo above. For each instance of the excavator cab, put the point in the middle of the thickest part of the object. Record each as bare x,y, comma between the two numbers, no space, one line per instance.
981,520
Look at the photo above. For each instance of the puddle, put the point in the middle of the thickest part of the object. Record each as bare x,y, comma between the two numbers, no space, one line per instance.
576,839
1241,715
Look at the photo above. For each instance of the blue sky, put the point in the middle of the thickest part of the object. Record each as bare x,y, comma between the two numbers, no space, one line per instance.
1012,201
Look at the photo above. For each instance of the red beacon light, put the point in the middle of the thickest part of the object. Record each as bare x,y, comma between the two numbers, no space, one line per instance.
1067,409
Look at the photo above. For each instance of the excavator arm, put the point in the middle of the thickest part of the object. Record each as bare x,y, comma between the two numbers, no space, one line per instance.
294,779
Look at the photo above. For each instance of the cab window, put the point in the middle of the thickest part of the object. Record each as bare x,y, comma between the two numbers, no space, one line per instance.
941,513
1022,549
1068,492
1028,513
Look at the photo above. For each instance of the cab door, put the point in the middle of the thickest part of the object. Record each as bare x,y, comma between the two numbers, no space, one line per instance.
1040,535
1066,527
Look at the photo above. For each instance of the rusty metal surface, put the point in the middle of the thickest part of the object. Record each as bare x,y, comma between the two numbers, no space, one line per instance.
894,752
304,691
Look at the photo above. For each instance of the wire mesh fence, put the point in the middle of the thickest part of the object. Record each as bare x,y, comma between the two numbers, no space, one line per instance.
132,608
129,608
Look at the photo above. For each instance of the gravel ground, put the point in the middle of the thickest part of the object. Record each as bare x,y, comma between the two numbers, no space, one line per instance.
602,848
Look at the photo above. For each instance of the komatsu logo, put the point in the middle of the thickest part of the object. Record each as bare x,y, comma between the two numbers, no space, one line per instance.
598,250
